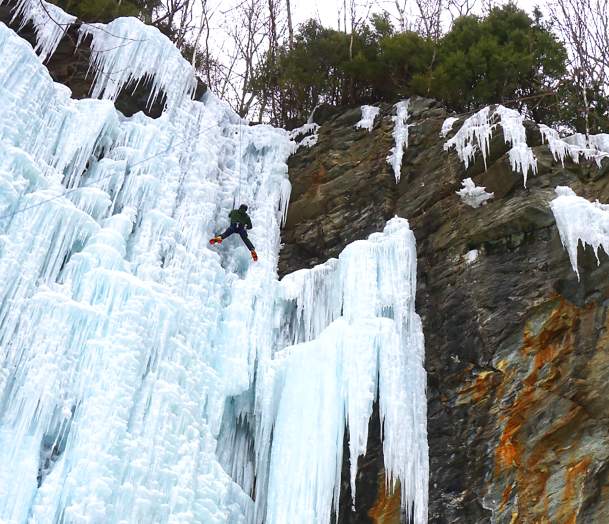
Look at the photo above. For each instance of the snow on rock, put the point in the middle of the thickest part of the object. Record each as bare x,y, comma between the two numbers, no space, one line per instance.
476,132
447,126
400,136
356,330
576,146
50,23
369,114
310,133
471,256
579,220
472,195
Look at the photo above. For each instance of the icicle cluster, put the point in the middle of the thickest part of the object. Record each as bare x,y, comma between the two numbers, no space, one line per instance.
596,147
579,220
369,114
50,23
472,195
356,330
118,59
476,132
400,136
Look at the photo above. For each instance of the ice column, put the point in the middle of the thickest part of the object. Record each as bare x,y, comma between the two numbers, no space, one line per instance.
359,334
400,136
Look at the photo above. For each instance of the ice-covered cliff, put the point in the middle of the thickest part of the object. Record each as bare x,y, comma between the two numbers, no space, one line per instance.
147,377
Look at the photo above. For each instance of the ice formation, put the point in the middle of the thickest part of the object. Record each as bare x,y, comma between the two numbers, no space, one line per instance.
447,126
355,329
472,195
579,220
400,136
146,377
50,23
476,132
310,133
369,114
576,146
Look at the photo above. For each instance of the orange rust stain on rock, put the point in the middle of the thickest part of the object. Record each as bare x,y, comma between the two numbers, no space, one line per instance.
480,389
549,347
386,509
575,476
506,496
318,178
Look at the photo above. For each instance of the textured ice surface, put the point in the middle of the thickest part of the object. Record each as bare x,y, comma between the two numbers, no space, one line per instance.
579,220
472,195
50,23
400,136
369,114
356,330
117,322
476,132
146,377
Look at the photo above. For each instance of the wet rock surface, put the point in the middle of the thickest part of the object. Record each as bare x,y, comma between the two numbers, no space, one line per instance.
517,349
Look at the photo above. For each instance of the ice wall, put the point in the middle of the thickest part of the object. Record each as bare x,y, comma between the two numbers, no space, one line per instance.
146,377
121,332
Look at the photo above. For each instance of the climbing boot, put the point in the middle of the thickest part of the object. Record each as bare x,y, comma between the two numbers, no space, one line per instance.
216,240
254,255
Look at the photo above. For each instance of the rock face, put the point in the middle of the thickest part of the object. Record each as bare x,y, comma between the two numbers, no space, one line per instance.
517,350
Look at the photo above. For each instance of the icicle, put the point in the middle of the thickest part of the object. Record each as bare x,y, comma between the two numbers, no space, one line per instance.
50,23
477,128
575,146
472,195
126,51
400,135
579,220
369,114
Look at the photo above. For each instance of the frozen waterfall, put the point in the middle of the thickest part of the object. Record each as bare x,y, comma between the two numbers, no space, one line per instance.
146,377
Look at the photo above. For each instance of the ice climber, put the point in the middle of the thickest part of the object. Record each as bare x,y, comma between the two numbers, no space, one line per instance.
239,222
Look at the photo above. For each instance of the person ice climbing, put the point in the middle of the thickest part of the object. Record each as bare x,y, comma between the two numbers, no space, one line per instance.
239,222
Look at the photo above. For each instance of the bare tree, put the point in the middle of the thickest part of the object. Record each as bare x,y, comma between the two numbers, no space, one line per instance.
584,26
290,26
458,8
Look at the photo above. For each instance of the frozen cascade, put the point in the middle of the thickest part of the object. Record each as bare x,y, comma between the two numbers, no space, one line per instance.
114,313
400,136
146,377
356,331
579,220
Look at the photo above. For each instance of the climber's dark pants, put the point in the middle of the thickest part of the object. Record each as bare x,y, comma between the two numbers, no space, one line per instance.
239,228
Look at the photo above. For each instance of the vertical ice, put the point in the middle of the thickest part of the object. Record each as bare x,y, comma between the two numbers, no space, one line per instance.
400,137
146,377
358,334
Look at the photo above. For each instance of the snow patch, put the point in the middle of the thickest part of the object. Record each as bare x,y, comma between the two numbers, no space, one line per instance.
447,126
369,114
472,195
310,133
